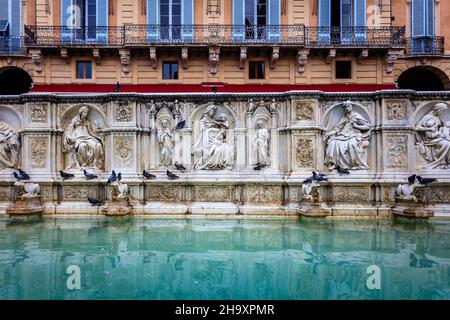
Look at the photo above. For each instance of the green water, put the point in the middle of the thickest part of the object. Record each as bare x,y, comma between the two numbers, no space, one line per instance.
224,259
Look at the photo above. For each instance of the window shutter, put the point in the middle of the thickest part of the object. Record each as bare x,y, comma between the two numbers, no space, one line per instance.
324,21
67,21
238,20
187,20
418,18
152,20
102,21
360,21
274,19
430,18
16,20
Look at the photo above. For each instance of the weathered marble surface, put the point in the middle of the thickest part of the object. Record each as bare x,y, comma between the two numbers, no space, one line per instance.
381,137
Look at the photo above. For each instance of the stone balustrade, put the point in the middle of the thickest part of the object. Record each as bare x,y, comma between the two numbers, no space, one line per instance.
381,138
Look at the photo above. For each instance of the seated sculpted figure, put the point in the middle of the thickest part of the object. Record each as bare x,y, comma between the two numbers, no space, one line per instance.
9,146
83,144
213,152
347,141
433,138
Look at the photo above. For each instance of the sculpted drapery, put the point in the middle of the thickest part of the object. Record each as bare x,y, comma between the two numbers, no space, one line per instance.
211,146
262,144
83,144
347,142
166,144
9,146
433,138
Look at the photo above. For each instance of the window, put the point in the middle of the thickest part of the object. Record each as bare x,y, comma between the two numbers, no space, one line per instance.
87,19
343,69
170,70
170,19
84,70
255,19
256,70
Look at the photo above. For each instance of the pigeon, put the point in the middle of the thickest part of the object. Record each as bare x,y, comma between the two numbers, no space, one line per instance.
148,175
24,174
112,177
318,176
119,176
308,180
95,202
342,171
89,175
425,181
171,175
66,175
412,178
20,176
179,166
118,87
181,124
257,167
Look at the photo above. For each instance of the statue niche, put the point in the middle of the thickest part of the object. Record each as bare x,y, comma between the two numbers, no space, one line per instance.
262,141
214,147
433,137
166,143
81,141
347,141
9,146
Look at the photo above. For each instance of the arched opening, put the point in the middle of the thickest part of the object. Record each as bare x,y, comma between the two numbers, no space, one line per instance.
14,80
424,79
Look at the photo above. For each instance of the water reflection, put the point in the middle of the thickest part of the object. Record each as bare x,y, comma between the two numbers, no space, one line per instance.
224,259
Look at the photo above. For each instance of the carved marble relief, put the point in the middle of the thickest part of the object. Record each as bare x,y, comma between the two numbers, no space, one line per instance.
396,110
164,193
212,193
304,110
38,152
350,194
212,149
79,192
304,152
263,194
124,151
9,146
397,151
433,137
124,112
348,140
38,113
83,143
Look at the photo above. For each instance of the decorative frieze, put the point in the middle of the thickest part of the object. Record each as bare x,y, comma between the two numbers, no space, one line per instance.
79,192
38,113
263,194
304,110
124,112
304,152
395,110
124,151
212,193
350,194
397,151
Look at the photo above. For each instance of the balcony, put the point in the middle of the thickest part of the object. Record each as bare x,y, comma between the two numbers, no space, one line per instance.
11,46
220,35
425,46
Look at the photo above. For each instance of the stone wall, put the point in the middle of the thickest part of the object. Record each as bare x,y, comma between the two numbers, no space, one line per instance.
375,135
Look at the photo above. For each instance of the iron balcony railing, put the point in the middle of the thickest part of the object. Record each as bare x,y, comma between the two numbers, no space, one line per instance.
286,35
428,45
12,45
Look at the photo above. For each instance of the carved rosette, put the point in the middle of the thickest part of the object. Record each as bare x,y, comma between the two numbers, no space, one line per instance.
124,151
38,152
304,152
397,151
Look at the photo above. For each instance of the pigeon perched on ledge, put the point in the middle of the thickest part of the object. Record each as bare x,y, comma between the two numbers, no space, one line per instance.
148,175
171,175
342,171
425,181
180,125
112,177
89,175
21,175
65,175
179,166
95,202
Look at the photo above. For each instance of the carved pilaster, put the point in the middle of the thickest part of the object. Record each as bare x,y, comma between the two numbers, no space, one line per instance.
242,57
302,59
125,60
184,57
214,57
36,56
153,58
274,56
